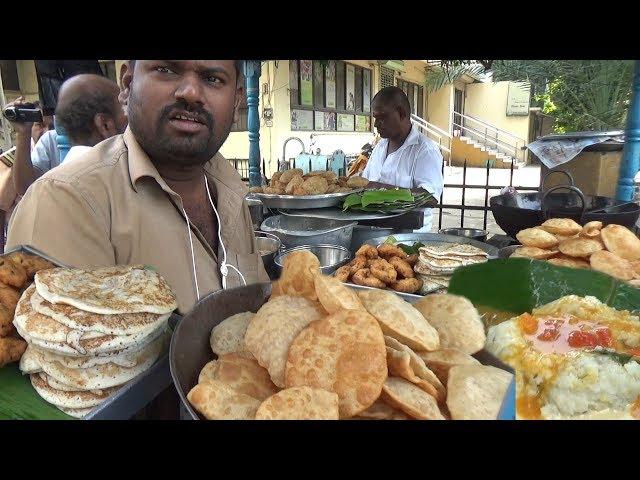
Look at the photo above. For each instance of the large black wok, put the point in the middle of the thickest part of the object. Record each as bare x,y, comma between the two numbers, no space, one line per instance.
515,212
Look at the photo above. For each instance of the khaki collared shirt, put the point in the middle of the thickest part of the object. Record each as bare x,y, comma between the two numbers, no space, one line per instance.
110,206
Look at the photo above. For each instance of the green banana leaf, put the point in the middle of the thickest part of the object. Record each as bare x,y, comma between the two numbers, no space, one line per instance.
519,285
19,401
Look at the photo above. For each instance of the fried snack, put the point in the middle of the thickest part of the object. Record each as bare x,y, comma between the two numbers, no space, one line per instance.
405,363
296,181
228,335
367,251
316,173
298,270
315,185
366,279
412,400
441,361
591,230
276,291
580,247
333,188
274,178
9,297
335,296
11,349
387,250
331,177
400,320
636,267
403,267
6,319
383,270
382,411
31,263
358,263
357,182
300,403
611,264
534,252
299,191
11,273
216,400
619,240
273,191
562,226
407,285
342,181
274,327
344,353
242,374
476,392
562,238
412,259
342,190
565,261
457,321
280,186
255,190
343,273
287,175
536,237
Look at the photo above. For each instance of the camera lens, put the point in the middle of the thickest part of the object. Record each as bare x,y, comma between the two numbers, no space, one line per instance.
10,113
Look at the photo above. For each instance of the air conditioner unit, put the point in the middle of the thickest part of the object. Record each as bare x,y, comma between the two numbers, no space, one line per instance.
397,65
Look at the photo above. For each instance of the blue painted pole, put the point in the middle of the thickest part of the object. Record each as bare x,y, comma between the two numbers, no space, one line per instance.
252,78
64,145
630,163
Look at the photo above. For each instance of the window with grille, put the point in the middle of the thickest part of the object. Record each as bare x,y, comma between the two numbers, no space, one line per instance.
387,77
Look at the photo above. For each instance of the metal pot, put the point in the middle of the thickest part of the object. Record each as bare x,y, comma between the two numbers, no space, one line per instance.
297,231
331,257
270,245
473,233
256,209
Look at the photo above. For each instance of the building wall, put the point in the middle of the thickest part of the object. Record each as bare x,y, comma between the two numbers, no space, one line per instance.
488,101
439,107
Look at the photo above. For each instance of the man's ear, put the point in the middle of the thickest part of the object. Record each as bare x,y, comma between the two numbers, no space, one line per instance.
126,76
105,125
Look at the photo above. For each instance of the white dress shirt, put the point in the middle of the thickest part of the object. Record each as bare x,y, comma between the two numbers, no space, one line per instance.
416,164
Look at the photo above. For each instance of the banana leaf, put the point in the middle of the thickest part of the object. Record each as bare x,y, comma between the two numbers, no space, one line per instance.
519,285
19,401
386,201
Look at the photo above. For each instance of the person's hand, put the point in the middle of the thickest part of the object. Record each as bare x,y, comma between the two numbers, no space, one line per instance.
21,129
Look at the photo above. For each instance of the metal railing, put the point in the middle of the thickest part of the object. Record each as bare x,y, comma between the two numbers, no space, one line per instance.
489,136
440,136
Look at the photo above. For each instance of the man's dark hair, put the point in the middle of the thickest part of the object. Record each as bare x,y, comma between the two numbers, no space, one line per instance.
238,65
76,117
394,97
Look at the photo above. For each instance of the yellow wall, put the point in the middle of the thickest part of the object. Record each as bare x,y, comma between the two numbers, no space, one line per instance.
488,101
439,106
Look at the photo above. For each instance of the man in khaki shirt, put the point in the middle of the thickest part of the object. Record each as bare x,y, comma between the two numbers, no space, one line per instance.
125,200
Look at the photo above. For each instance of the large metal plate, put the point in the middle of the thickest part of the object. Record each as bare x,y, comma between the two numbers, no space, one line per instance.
296,202
190,349
139,391
337,214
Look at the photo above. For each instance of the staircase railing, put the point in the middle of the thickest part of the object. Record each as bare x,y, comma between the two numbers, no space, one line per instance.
440,136
489,136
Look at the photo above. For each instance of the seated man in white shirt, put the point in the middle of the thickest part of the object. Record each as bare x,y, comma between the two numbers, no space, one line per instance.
404,157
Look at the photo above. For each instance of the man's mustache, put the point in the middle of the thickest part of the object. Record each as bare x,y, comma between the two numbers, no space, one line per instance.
196,111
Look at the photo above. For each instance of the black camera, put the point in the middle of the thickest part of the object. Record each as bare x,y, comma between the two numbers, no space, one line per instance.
25,113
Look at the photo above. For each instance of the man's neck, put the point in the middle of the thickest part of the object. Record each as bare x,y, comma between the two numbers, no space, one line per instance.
185,180
396,142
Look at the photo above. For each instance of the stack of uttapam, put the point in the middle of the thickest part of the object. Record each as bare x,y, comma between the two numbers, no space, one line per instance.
436,263
91,331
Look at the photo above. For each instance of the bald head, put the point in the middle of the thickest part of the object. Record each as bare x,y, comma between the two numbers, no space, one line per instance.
392,113
88,109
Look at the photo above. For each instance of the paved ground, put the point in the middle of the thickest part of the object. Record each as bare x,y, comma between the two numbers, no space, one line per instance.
524,177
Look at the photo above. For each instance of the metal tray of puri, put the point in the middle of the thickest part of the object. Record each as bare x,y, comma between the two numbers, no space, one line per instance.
190,348
139,391
297,202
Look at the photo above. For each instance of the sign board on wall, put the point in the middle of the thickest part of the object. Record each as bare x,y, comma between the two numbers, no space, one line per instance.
301,120
518,98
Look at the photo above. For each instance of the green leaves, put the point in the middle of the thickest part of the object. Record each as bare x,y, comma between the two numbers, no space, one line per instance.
386,201
519,285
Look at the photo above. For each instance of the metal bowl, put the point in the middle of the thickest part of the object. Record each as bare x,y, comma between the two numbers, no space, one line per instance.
331,257
473,233
299,231
270,245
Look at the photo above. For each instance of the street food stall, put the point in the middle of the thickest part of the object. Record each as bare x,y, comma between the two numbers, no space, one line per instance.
383,325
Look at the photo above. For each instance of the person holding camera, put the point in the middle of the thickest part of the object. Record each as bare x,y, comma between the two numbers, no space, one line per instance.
89,112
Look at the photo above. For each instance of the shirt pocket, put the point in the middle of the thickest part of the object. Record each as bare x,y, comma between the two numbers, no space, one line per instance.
247,263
